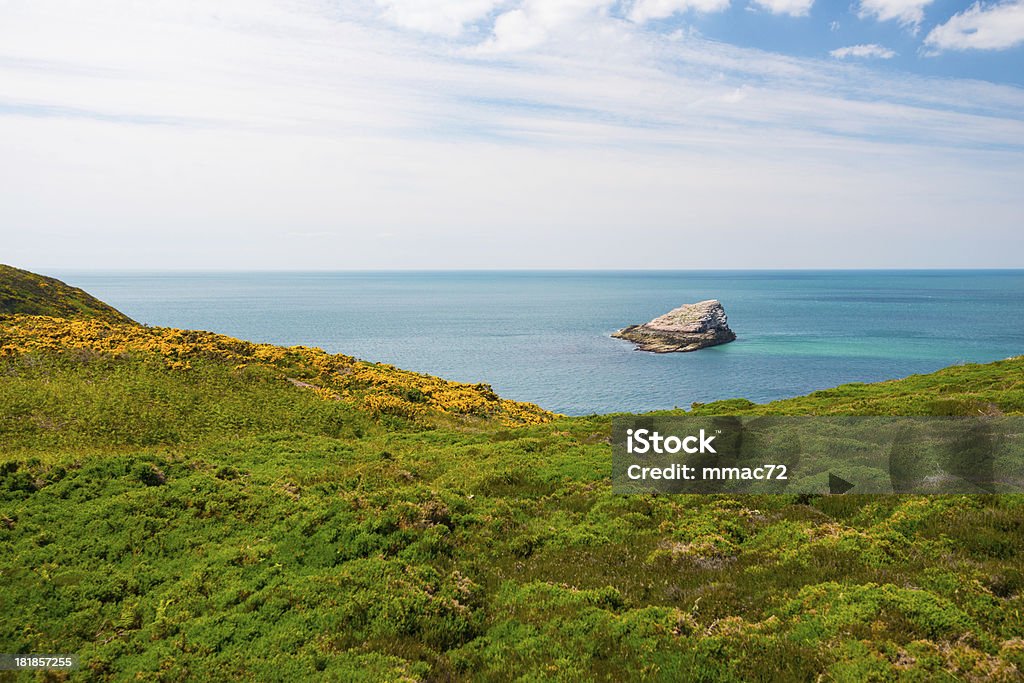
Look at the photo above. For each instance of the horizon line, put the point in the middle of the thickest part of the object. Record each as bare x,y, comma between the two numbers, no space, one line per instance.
186,271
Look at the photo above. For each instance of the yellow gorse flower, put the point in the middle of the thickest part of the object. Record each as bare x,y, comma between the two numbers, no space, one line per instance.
377,388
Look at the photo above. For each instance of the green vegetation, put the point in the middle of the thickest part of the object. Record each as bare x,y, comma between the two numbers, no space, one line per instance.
169,513
970,389
28,293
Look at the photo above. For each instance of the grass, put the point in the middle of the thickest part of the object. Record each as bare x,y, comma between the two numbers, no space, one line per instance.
28,293
183,506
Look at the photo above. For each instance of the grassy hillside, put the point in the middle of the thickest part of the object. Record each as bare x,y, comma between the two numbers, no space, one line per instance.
185,506
970,389
32,294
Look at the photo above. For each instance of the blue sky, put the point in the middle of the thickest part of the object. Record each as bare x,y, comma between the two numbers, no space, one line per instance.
290,134
836,24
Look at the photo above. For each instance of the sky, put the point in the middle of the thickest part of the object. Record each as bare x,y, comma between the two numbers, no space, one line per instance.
479,134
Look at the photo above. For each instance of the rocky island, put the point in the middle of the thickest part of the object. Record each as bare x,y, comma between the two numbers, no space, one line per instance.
687,328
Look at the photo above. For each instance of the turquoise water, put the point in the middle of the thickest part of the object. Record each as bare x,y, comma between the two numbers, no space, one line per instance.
544,336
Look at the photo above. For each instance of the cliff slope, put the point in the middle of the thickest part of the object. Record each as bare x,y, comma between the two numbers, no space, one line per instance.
25,292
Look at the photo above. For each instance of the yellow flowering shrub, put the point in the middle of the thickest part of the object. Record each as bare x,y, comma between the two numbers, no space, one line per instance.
377,388
386,404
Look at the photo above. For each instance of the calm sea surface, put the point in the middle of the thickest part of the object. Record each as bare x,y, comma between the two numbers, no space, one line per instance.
544,336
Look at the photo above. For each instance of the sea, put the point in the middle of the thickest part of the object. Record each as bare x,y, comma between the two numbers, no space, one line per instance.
544,336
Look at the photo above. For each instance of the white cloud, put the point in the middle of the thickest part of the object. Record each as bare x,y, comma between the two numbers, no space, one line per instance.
646,10
906,12
445,17
534,21
981,27
737,95
794,8
869,50
179,134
